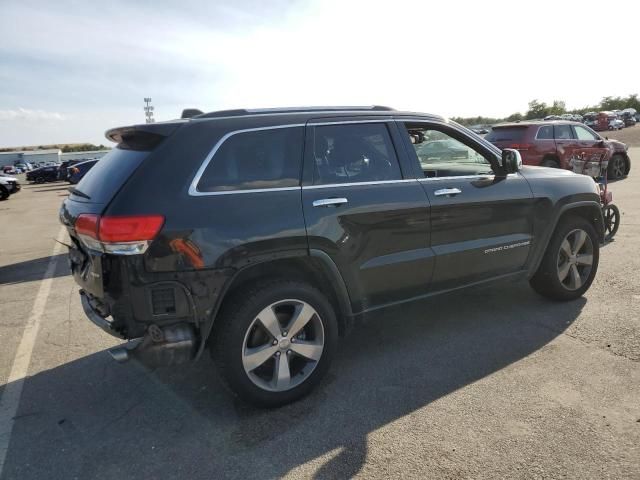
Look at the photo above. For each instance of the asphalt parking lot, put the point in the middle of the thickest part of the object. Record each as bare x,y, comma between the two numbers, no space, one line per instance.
487,383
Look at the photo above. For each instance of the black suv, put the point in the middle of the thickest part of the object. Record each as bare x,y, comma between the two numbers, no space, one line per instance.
264,235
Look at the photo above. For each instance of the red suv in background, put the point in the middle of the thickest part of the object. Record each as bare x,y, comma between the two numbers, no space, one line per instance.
552,144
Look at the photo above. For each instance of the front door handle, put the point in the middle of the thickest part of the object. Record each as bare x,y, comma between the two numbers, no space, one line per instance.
329,202
447,191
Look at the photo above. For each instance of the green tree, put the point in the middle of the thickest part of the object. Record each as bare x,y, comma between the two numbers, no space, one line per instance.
558,108
537,110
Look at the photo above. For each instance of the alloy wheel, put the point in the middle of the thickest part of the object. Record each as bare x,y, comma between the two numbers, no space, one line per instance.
283,345
575,259
618,167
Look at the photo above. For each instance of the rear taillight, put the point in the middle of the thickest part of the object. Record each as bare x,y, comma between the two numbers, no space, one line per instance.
126,235
523,147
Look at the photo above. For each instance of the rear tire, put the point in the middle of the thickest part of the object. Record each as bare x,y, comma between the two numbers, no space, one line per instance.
570,262
40,180
4,193
550,163
255,322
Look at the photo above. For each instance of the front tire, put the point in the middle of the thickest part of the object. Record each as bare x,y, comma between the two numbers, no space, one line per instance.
273,342
617,167
570,263
4,193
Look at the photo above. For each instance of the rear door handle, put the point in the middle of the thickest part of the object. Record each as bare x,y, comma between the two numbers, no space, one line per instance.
329,202
447,191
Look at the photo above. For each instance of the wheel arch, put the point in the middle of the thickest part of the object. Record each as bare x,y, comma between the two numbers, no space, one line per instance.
316,268
552,157
589,210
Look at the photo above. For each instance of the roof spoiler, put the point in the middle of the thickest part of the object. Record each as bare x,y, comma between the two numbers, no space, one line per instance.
141,137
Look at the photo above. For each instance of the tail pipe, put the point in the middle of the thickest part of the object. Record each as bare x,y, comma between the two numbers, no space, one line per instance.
160,346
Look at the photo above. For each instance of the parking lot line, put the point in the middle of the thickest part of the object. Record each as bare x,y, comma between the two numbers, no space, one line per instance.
10,399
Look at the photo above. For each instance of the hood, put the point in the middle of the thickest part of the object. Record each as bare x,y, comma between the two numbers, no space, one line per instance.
617,145
530,171
5,179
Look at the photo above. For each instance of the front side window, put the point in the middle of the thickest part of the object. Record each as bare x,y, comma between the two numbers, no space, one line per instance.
359,152
563,132
584,134
441,155
257,159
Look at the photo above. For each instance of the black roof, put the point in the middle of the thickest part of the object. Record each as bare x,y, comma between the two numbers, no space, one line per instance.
290,114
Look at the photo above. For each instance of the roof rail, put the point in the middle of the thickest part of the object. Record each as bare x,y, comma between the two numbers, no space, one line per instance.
258,111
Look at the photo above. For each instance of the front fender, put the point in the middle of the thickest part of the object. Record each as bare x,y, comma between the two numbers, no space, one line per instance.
589,209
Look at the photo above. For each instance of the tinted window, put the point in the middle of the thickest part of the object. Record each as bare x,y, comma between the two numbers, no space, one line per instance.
441,155
584,134
545,133
259,159
506,134
107,176
563,132
354,153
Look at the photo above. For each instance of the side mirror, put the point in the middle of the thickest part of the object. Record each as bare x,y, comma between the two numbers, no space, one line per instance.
511,160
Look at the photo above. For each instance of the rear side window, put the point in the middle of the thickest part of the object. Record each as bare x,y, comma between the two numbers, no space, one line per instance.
257,159
545,133
359,152
563,132
107,176
506,134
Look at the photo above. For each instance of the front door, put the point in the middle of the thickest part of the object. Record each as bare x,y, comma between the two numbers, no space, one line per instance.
481,223
364,213
590,145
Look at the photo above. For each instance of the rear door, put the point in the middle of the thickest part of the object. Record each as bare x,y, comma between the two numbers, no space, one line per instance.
364,211
566,143
481,224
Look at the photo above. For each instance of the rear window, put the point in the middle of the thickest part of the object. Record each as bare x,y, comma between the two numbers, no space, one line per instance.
107,176
270,158
506,134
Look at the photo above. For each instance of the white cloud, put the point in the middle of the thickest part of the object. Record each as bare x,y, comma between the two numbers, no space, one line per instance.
95,65
29,115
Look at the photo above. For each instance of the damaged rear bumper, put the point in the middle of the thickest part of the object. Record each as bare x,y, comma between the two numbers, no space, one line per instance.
160,346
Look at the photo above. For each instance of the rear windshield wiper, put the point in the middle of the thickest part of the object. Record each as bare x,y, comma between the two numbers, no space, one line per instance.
77,192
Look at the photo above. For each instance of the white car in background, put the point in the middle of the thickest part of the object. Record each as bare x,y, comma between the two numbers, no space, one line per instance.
616,124
8,186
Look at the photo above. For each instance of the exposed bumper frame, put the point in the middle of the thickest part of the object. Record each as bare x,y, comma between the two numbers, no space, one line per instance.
97,319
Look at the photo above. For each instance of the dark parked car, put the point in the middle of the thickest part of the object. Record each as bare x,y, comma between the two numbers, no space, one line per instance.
553,144
628,118
43,174
79,170
63,169
264,235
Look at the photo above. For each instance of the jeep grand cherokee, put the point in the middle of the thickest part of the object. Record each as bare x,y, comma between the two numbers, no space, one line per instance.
262,235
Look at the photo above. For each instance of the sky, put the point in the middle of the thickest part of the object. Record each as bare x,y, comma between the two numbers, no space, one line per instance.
70,70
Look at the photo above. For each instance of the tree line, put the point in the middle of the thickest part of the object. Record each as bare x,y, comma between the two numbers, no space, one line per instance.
539,109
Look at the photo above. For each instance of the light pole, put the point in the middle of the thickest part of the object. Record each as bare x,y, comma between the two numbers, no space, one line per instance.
148,110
